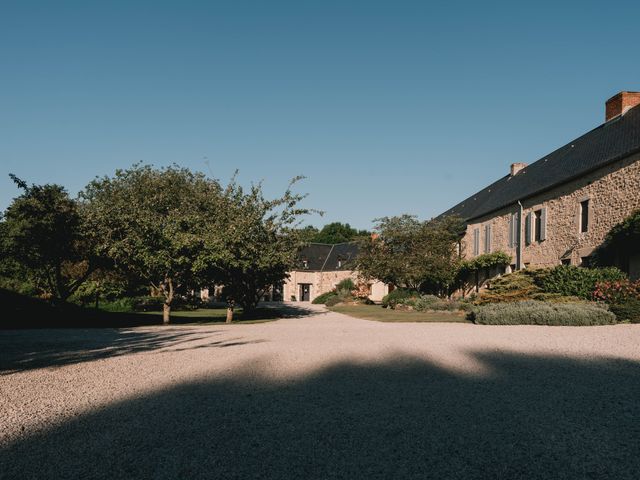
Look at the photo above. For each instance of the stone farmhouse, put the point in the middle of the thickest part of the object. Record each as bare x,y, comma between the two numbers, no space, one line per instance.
321,267
558,209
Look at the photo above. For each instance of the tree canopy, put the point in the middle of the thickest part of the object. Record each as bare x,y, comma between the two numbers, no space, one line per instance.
43,237
332,233
413,254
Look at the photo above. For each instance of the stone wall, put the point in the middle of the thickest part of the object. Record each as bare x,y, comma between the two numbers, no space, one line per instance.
613,193
322,282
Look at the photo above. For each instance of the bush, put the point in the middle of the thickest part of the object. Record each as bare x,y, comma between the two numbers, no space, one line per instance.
397,296
331,301
512,287
346,285
532,312
620,291
322,298
431,302
569,280
627,311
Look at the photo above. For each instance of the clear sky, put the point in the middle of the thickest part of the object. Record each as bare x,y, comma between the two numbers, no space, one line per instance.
386,106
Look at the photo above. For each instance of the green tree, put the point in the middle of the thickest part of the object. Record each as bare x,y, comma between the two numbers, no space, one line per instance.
252,243
337,232
43,236
621,243
151,223
412,254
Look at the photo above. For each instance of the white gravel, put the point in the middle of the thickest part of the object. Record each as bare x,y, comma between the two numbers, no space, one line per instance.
323,396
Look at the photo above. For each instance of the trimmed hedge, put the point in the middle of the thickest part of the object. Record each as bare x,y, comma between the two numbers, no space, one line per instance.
572,281
532,312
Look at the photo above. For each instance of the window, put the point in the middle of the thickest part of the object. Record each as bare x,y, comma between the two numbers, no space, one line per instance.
566,261
537,219
513,230
487,239
584,216
476,241
585,262
305,264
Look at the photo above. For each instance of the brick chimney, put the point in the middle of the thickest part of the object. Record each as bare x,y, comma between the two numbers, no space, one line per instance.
516,167
620,103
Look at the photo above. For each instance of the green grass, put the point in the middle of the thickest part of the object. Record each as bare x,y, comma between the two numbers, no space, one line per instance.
379,314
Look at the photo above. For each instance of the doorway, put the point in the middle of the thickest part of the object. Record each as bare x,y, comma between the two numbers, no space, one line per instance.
305,292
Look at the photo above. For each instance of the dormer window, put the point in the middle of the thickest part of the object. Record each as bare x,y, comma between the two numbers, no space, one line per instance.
305,264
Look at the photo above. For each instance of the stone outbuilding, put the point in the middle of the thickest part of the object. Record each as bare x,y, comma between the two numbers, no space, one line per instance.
559,209
321,267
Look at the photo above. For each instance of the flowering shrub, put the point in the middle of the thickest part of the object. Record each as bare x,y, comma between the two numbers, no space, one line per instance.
616,292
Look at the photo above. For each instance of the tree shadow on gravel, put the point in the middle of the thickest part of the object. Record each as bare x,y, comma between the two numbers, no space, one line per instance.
527,418
28,349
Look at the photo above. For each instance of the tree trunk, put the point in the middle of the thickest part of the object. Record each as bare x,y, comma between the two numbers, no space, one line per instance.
166,307
166,313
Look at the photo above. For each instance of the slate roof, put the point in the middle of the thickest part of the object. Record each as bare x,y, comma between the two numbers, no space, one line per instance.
325,257
611,141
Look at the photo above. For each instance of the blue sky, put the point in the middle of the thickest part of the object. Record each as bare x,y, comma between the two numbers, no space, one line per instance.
386,106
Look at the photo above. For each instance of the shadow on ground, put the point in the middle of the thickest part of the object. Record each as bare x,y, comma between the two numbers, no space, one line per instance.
28,349
21,311
528,418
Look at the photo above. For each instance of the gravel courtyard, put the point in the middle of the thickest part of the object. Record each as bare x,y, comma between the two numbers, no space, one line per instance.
321,396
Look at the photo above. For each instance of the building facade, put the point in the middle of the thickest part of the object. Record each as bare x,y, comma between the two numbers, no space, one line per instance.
321,267
559,209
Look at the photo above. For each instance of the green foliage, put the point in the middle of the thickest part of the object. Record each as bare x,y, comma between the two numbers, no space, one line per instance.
336,232
512,287
622,241
432,302
333,300
411,254
346,285
322,298
627,310
568,280
43,236
487,260
397,296
531,312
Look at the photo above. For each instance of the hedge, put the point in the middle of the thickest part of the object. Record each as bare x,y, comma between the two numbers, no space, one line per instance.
532,312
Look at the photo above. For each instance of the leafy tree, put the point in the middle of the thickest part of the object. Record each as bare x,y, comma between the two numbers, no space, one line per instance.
43,236
150,223
412,254
337,232
251,244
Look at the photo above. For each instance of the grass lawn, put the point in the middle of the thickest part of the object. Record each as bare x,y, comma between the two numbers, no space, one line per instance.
379,314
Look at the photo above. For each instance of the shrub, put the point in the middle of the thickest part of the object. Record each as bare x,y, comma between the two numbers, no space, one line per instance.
512,287
431,302
322,298
397,296
531,312
331,301
629,310
569,280
346,285
619,291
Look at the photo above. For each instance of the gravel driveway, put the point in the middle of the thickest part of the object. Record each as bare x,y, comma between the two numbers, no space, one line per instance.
321,396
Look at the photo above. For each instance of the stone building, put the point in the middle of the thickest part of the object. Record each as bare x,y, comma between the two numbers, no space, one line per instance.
321,267
558,209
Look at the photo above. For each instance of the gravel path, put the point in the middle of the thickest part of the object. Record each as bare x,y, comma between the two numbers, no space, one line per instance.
322,396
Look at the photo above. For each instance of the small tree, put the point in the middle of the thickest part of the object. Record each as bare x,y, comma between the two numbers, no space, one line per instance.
337,232
251,244
412,254
43,235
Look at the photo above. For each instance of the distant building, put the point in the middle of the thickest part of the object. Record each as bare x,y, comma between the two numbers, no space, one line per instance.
559,209
321,267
